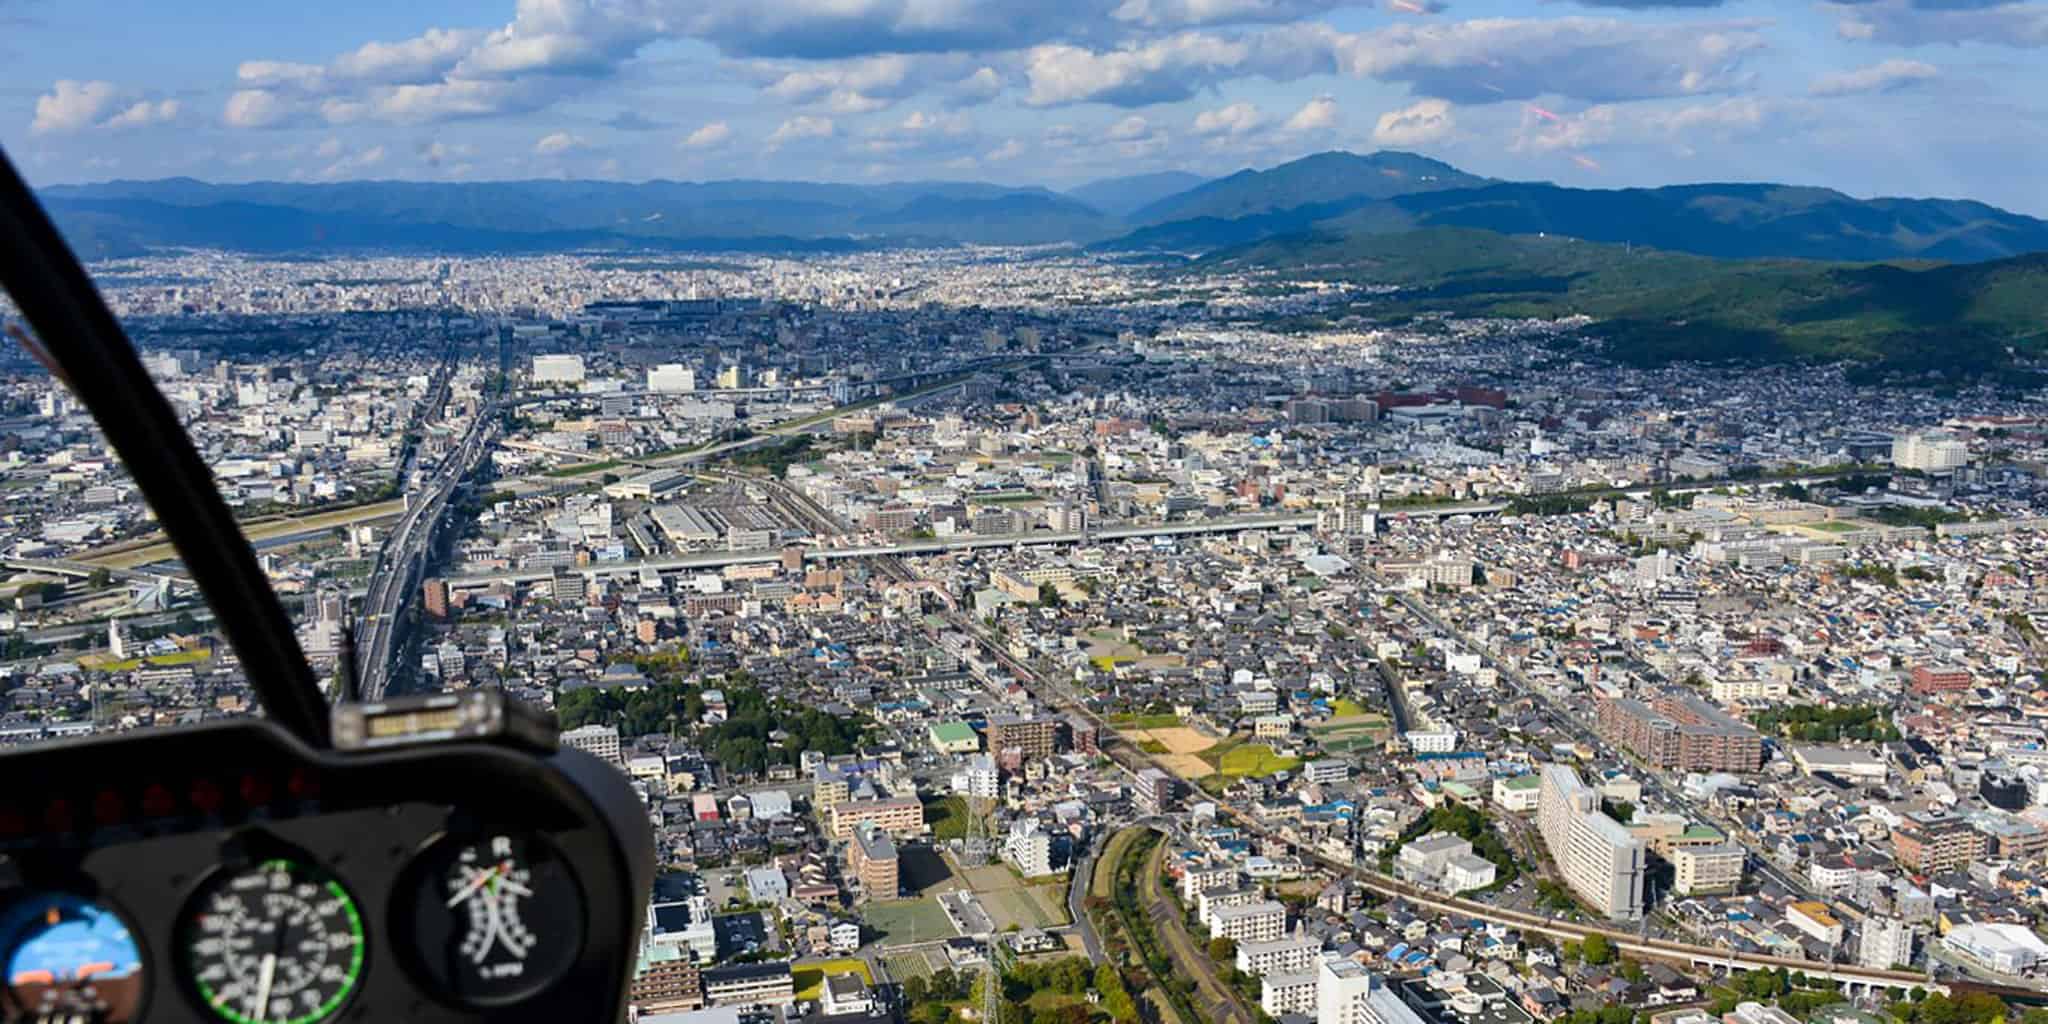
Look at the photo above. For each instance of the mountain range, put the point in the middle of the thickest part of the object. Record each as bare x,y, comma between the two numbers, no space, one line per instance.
1327,192
1749,271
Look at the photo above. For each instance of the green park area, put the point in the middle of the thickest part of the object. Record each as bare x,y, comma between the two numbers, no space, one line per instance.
1345,707
1237,759
1164,721
810,978
904,922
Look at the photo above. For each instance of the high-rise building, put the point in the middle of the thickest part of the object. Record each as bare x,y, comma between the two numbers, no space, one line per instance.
557,369
1598,858
1930,842
1929,452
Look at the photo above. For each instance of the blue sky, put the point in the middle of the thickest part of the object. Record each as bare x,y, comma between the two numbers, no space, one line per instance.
1893,97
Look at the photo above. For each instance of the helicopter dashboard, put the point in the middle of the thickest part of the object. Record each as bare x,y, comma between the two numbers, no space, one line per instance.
229,873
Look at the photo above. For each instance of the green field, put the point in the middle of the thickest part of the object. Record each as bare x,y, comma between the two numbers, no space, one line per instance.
1166,721
810,978
1239,760
160,661
1838,526
1345,707
901,922
904,966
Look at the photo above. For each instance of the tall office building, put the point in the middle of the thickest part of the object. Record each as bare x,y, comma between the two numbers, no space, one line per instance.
1601,861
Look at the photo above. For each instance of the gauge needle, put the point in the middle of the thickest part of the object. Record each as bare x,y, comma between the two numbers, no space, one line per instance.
481,879
264,976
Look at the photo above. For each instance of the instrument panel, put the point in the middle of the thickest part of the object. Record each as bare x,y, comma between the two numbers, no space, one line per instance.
227,873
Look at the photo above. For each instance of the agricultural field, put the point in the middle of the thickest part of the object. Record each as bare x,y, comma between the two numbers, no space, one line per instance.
1011,900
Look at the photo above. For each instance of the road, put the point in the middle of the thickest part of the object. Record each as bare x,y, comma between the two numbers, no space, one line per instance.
402,563
1077,898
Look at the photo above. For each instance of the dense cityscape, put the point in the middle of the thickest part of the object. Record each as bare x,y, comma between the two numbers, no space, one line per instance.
1016,633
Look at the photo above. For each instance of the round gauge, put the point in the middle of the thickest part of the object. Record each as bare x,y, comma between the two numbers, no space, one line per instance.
277,943
496,917
68,958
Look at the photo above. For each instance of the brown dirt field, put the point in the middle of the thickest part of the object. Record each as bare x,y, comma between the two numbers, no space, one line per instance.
1182,744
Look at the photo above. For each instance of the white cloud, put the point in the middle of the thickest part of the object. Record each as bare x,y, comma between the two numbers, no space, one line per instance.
1132,127
72,105
1881,77
1009,150
328,150
1237,119
802,126
1424,122
2016,23
419,59
257,108
557,143
1317,115
347,165
143,112
1645,125
707,136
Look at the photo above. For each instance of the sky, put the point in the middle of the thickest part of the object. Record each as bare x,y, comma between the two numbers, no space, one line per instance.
1874,97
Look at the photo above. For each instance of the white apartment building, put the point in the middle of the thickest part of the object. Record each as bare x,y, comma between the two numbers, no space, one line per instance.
1600,860
671,378
1291,955
1263,921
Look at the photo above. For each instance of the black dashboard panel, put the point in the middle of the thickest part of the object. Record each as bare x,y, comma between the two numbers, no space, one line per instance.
152,827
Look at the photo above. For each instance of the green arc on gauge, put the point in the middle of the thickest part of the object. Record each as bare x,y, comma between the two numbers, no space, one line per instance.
348,985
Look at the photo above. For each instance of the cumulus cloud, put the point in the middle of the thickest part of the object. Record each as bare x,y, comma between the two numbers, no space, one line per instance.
707,136
257,108
2016,23
1881,77
72,106
1424,122
347,165
557,143
1679,127
1132,127
1236,119
1009,150
1317,115
1484,60
802,126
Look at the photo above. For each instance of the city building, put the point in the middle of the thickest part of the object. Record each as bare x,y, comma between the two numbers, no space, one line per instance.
1443,861
762,984
871,860
1295,954
1028,848
1705,870
1930,842
599,741
1929,452
846,995
897,816
558,369
1031,738
1347,993
1599,859
1284,993
666,979
670,378
1883,943
1261,921
2004,948
1152,791
1681,732
1517,794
